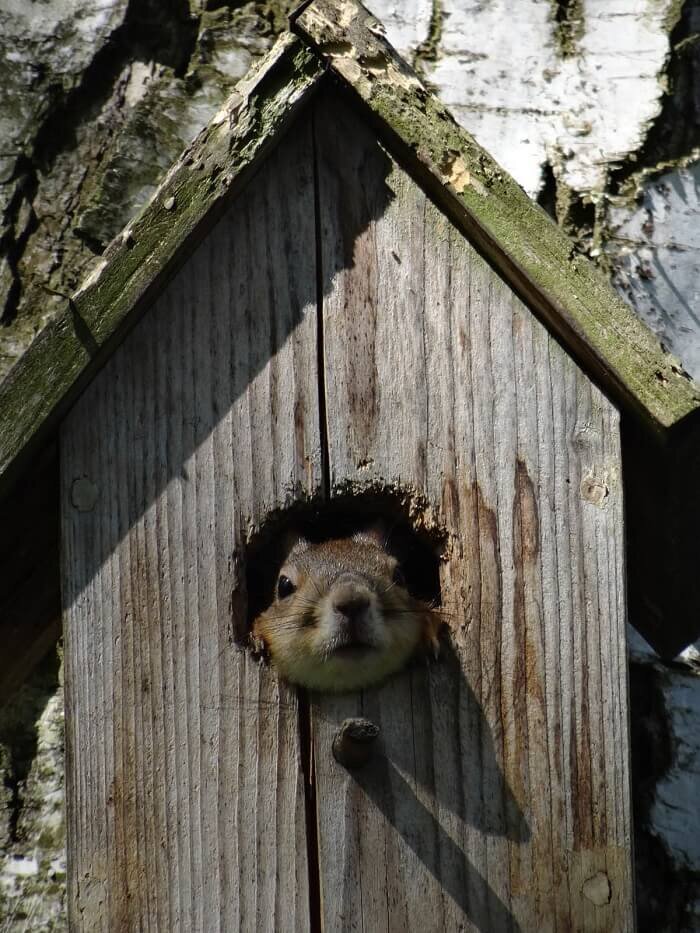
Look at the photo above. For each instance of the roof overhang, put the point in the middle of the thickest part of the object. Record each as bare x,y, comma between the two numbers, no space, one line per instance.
531,253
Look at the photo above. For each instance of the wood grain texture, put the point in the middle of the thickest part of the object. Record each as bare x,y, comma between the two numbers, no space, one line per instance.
186,807
502,792
527,248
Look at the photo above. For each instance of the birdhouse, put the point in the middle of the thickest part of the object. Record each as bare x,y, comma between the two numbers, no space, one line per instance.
334,293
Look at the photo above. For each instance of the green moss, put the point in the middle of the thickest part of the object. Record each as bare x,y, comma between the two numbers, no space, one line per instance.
531,253
196,189
159,125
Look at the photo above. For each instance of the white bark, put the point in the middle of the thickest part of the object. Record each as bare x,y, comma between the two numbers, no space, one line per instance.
531,95
675,811
656,247
32,845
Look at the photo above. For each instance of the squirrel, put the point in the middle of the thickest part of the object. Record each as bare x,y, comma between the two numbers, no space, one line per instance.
342,617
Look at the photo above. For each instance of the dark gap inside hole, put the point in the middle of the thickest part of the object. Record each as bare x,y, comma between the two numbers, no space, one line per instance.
417,548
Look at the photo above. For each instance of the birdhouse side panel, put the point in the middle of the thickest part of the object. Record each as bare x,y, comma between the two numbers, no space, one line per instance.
501,798
185,789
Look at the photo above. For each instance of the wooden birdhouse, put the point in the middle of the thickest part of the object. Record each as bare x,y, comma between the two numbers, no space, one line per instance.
336,290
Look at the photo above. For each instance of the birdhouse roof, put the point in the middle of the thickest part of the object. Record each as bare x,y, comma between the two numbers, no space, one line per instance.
340,41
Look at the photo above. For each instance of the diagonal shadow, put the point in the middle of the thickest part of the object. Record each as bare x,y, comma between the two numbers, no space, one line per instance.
436,777
231,325
445,690
443,858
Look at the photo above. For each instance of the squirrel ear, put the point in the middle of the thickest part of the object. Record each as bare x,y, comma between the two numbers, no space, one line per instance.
291,541
377,533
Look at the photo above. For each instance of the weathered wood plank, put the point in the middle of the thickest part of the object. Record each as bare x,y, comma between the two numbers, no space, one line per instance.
186,807
135,266
530,251
502,789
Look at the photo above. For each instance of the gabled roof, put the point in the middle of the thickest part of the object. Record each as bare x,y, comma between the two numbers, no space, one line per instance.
528,250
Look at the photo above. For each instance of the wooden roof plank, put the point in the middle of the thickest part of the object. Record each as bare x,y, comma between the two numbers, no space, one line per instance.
534,255
218,163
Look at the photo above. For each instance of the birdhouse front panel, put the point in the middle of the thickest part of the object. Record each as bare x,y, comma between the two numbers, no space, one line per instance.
335,334
185,781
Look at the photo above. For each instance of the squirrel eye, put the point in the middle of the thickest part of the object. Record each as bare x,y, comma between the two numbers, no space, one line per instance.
398,576
285,587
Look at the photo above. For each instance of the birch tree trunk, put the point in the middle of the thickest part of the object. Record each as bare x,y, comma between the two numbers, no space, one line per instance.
593,105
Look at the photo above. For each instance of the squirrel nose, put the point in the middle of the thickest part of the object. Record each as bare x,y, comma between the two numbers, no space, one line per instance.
351,605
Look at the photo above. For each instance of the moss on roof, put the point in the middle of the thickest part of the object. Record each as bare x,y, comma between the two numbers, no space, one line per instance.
517,237
534,255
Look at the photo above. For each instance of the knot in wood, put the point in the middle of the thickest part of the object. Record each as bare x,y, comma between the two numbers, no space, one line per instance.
354,741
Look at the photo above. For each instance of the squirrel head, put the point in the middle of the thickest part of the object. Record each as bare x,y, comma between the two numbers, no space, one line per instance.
342,618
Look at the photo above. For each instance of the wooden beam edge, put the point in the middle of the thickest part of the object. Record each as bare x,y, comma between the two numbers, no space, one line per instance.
524,245
214,168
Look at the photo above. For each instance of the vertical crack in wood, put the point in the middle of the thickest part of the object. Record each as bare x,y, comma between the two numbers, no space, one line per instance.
306,743
306,750
322,415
